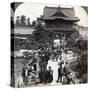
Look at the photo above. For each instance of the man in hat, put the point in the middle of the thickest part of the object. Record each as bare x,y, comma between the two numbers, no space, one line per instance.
50,74
60,73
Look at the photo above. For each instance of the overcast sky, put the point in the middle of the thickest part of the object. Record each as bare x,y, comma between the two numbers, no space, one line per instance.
34,10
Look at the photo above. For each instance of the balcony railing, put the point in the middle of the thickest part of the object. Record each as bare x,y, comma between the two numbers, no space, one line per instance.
59,28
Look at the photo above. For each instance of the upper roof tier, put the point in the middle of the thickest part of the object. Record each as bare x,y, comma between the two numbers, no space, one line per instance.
52,13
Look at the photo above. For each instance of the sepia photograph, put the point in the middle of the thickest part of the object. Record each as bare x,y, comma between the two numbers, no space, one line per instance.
49,44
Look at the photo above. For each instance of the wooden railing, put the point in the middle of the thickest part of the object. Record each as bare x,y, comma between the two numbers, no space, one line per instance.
59,28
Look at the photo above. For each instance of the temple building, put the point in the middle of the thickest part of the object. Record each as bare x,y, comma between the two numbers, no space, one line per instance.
60,20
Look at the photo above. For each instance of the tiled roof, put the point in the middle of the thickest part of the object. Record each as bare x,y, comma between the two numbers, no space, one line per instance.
51,13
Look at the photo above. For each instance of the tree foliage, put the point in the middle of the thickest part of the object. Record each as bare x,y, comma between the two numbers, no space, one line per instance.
23,21
18,22
28,22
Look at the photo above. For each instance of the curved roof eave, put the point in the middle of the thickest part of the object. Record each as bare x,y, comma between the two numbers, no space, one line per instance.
63,18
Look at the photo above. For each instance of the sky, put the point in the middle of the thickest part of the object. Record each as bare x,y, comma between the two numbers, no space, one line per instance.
34,10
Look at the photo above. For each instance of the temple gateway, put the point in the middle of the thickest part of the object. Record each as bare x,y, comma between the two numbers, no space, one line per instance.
60,21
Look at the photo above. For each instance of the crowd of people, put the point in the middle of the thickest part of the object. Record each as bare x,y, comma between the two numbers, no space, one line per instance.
45,74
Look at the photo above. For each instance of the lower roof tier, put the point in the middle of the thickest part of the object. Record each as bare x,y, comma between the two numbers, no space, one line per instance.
75,19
